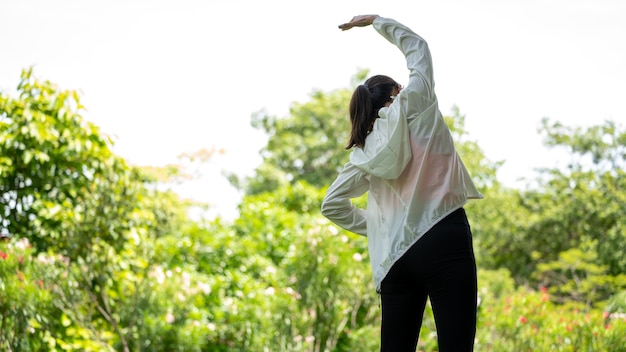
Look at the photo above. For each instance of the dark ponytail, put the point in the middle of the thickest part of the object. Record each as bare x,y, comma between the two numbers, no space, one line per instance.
366,100
361,115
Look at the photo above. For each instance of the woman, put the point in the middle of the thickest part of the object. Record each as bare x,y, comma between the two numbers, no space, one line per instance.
419,238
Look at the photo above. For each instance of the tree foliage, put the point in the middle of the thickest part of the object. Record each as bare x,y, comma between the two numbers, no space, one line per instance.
99,256
578,207
306,146
71,198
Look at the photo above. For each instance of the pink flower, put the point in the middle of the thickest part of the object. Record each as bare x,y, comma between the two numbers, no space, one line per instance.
523,320
544,289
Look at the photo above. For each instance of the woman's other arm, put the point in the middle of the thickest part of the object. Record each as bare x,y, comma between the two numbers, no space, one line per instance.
337,205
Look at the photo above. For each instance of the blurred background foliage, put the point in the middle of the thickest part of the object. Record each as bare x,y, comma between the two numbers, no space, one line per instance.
100,255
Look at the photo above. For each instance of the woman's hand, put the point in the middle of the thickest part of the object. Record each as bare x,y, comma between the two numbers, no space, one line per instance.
358,21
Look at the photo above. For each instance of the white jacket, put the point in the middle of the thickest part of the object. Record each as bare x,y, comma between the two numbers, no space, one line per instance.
409,165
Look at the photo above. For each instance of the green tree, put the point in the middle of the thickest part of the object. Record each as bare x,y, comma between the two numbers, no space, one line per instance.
308,145
102,257
324,292
70,197
580,204
593,186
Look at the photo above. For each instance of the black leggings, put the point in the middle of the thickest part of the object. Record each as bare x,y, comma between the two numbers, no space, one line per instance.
441,266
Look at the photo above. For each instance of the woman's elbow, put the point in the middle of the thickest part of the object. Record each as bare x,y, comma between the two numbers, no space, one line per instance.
330,209
326,208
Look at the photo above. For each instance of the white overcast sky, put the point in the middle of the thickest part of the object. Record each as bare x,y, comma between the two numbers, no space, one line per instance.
167,77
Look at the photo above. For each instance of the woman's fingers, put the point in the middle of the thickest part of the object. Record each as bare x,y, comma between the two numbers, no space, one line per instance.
345,26
358,21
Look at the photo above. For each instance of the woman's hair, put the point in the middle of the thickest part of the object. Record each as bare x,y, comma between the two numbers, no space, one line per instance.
366,100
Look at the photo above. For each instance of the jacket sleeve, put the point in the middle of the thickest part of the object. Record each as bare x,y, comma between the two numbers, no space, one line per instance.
419,94
337,205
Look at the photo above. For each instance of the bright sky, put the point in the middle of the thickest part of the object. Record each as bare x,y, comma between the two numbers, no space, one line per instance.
167,77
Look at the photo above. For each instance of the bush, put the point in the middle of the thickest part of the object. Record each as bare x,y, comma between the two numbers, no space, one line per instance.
527,320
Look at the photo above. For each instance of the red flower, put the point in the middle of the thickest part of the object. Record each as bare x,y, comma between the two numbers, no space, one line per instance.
544,289
3,255
523,320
